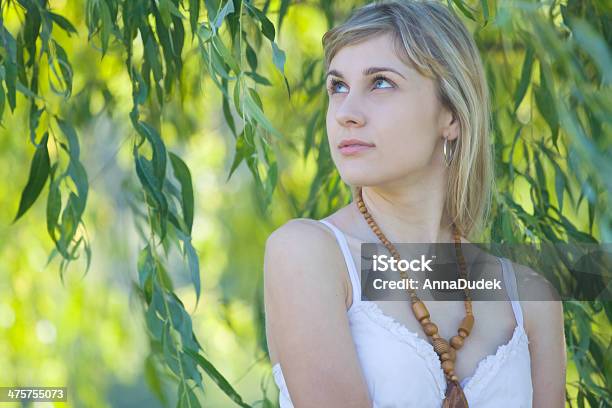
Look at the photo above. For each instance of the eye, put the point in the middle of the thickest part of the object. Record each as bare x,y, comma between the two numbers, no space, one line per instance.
382,79
332,85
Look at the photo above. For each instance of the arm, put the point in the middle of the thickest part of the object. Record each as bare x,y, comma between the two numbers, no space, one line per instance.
304,297
545,329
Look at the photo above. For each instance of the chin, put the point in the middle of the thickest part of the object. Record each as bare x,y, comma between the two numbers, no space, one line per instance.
375,175
360,177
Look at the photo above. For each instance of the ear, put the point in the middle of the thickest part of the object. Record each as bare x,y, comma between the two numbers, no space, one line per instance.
450,125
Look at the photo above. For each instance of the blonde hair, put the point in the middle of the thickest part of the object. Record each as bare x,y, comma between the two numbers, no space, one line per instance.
431,40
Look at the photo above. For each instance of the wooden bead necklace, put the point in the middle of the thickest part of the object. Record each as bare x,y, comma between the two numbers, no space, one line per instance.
447,351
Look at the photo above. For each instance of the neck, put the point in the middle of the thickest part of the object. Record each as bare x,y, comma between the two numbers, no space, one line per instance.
409,212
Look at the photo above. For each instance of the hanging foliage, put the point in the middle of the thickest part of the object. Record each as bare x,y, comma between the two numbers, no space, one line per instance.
551,130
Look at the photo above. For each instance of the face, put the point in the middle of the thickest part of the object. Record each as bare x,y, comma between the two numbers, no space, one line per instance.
376,100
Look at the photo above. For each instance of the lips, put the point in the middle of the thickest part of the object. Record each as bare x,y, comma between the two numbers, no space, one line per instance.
353,146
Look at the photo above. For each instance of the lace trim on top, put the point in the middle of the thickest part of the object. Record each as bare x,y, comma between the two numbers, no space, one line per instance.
485,369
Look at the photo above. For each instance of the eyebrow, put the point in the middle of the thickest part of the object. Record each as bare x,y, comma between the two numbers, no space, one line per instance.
366,72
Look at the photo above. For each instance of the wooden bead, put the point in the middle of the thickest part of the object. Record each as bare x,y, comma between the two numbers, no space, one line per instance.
445,356
456,342
466,325
420,310
454,378
448,366
440,345
430,329
453,353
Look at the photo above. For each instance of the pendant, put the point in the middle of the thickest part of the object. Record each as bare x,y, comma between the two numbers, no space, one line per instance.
454,398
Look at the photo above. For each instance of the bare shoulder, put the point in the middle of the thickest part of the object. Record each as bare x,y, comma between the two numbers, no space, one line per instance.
301,239
533,285
305,251
299,231
540,301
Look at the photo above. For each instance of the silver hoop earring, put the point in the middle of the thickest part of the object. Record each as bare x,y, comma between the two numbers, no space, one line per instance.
448,153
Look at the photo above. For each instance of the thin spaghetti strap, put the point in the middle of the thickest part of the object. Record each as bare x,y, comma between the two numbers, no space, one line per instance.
511,289
348,259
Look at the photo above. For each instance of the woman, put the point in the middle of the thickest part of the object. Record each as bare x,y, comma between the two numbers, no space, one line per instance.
408,127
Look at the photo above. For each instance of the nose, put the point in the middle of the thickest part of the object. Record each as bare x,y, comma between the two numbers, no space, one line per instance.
350,112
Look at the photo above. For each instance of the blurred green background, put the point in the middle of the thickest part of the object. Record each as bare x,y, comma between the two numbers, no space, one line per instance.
64,324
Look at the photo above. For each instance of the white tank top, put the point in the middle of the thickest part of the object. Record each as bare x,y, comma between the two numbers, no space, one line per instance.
403,370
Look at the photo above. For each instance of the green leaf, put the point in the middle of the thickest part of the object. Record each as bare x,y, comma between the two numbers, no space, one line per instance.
225,11
106,24
65,80
194,14
190,369
194,267
73,140
559,185
182,323
255,97
170,352
164,11
251,57
39,172
54,204
278,57
186,397
267,27
159,151
546,106
10,65
153,379
181,172
2,99
271,179
255,111
152,57
464,9
144,170
485,10
227,113
544,96
226,56
63,22
217,66
146,266
33,120
218,378
70,220
258,78
79,176
238,155
163,277
154,323
204,33
521,89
